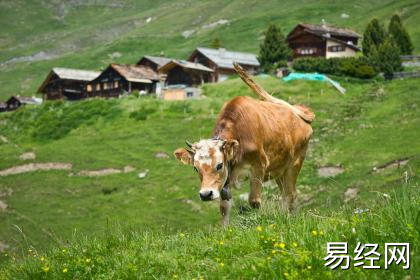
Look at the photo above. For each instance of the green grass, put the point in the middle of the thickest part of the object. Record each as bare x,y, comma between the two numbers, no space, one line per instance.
258,245
85,35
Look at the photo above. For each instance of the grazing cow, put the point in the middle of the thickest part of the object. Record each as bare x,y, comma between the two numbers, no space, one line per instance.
266,138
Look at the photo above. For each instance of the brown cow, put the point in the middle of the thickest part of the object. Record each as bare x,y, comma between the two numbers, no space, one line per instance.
267,139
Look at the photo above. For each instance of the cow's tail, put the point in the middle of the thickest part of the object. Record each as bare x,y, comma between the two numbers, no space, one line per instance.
300,110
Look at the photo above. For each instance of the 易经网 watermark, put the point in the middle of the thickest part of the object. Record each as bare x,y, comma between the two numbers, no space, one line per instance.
367,255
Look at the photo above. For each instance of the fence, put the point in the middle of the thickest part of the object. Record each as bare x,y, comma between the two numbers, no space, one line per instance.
410,57
402,75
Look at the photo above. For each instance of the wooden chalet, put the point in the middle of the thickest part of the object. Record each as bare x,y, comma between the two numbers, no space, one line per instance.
14,102
221,61
65,83
3,106
181,72
119,79
310,40
154,62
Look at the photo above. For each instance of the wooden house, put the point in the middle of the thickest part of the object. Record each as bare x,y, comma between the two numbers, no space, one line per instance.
14,102
65,83
154,62
310,40
221,62
181,72
180,92
3,106
119,79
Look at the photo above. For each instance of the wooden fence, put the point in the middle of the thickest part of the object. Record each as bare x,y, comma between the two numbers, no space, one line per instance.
402,75
410,57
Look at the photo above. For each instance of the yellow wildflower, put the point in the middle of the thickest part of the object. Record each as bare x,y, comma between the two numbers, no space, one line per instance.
45,268
259,228
273,252
321,232
221,243
65,270
30,250
295,244
286,274
314,233
268,258
42,259
309,267
64,250
282,245
272,225
222,264
87,260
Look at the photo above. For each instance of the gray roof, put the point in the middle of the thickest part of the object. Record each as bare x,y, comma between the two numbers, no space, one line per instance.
224,58
75,74
323,29
185,64
159,60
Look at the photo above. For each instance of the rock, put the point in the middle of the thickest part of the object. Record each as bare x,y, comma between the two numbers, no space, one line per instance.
216,23
114,55
350,193
344,15
27,156
392,164
3,206
143,174
128,169
149,19
187,33
162,155
330,171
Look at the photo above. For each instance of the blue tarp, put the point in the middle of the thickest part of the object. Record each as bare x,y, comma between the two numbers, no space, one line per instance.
314,77
305,76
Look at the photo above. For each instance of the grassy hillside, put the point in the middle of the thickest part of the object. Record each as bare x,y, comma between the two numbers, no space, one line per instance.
37,35
374,124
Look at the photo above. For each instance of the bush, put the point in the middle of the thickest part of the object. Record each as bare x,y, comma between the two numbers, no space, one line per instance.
144,112
349,66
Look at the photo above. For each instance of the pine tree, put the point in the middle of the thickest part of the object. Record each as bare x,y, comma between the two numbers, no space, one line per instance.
273,49
400,35
387,58
373,36
216,44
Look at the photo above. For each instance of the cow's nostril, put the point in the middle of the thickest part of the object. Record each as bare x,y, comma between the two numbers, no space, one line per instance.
206,195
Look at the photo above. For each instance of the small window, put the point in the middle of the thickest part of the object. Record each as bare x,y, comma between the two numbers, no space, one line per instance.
105,85
190,94
89,88
98,87
116,84
337,48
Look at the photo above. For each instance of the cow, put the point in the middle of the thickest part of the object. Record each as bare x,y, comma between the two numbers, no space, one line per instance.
266,139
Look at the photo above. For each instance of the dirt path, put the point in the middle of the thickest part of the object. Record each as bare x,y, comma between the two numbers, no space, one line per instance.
30,167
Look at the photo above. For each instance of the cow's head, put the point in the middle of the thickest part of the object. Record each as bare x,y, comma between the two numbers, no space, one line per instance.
211,159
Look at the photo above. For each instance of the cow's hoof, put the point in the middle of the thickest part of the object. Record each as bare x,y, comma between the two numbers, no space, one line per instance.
255,204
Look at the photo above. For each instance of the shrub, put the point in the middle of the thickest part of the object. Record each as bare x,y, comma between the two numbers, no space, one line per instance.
273,49
144,111
349,66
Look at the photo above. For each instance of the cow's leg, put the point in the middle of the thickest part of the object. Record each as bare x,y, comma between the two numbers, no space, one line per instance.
225,206
287,184
257,176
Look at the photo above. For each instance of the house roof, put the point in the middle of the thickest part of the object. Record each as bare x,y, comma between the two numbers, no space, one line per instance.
70,74
159,60
224,58
322,29
136,73
185,64
26,99
75,74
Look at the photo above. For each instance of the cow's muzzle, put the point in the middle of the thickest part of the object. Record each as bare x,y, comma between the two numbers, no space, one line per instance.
206,195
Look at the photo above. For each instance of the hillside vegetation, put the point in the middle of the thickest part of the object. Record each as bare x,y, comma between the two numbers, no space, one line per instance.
37,35
119,224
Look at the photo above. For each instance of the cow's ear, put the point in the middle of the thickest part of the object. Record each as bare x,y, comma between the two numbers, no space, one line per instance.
230,148
183,156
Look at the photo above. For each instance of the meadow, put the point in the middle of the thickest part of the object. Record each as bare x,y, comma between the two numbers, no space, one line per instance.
120,225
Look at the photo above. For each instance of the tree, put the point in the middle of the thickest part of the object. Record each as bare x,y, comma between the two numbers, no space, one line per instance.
373,36
273,49
400,35
387,58
216,44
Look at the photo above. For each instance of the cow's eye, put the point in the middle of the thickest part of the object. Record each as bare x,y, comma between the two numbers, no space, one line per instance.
195,168
219,166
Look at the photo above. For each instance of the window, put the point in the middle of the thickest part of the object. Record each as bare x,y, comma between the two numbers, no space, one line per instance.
116,84
190,94
337,48
98,87
307,51
105,85
89,88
